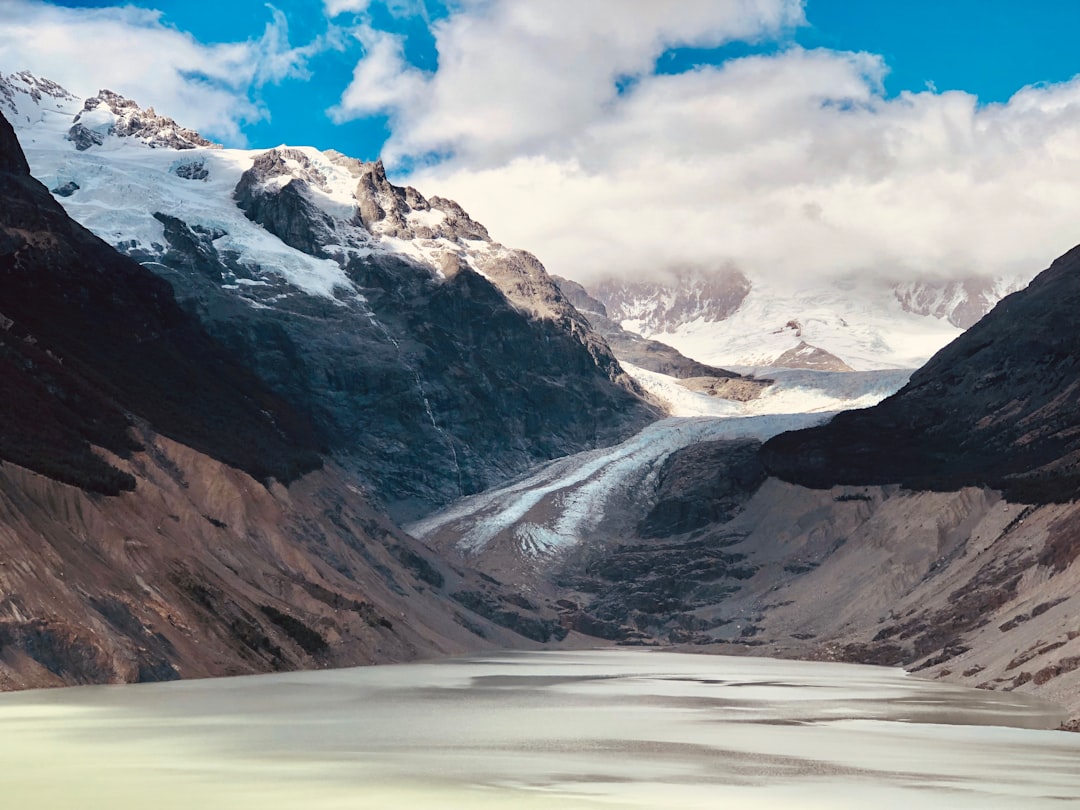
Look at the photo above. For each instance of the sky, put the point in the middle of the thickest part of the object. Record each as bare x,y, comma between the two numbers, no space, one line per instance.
887,139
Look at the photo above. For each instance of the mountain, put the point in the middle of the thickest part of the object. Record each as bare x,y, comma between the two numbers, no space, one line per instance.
934,530
962,303
89,337
729,319
163,513
639,354
995,408
432,360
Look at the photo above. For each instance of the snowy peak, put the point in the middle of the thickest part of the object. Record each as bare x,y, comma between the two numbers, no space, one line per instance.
664,306
962,303
110,113
25,98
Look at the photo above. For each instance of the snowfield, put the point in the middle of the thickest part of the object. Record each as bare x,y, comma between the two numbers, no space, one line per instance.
116,186
865,328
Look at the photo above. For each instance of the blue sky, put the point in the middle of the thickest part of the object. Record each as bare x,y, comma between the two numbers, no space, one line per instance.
990,48
872,137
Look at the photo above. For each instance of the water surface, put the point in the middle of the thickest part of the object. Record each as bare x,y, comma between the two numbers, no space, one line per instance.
605,729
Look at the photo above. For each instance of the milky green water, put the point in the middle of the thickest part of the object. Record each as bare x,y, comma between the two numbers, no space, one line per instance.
607,729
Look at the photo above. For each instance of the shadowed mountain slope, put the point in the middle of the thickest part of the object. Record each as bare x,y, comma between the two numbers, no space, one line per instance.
997,407
90,339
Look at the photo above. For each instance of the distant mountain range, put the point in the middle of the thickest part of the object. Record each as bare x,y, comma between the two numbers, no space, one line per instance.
728,319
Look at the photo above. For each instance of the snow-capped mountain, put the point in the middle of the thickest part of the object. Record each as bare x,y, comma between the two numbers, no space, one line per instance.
166,515
729,320
434,360
961,303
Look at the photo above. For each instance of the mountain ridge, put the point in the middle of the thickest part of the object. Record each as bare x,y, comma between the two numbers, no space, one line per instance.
393,319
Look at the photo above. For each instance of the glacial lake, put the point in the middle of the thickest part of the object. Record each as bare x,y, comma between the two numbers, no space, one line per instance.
599,729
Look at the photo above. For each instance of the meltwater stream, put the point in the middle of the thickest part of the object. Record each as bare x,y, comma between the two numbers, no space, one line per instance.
604,729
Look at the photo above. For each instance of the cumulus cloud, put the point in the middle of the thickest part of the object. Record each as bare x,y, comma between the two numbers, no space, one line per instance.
551,125
518,77
382,81
131,51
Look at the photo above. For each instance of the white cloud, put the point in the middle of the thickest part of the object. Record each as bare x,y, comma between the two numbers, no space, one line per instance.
793,163
336,7
516,77
131,51
382,81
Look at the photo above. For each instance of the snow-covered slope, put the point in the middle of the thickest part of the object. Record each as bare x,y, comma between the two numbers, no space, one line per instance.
435,361
866,323
113,184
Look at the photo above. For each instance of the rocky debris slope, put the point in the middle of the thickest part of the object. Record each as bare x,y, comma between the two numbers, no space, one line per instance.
433,361
962,586
203,571
997,407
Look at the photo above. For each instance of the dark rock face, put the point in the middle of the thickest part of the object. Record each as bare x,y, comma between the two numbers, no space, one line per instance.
89,337
702,484
192,170
996,407
284,210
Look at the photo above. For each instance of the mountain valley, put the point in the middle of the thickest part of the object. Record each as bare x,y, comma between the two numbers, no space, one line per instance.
267,410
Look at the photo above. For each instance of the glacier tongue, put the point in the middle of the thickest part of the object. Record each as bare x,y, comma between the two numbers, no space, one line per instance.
563,502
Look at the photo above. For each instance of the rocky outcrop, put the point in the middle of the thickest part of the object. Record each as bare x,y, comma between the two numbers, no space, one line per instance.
275,192
109,113
806,356
996,408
